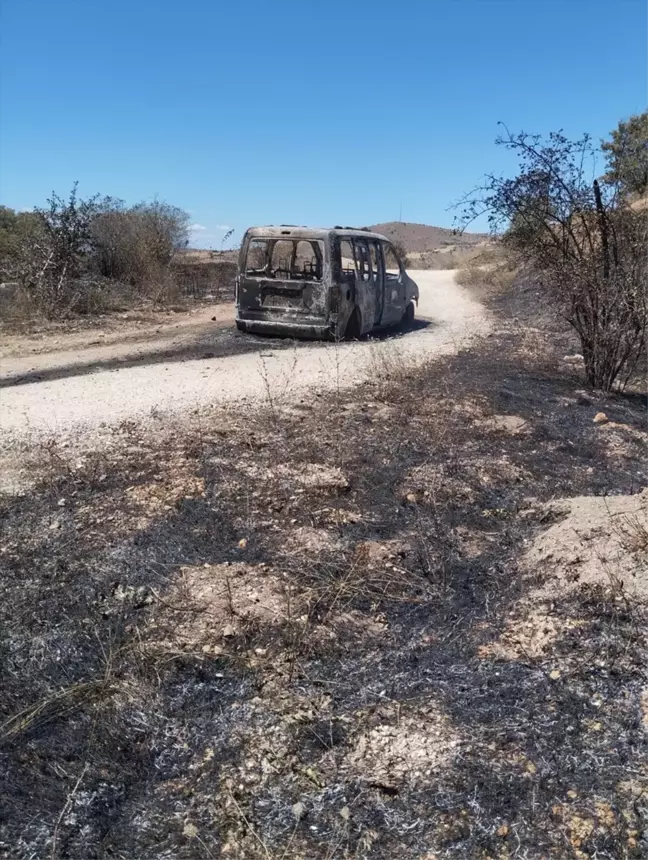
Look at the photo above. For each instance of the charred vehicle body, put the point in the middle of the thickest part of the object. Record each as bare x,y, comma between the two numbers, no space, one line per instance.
335,283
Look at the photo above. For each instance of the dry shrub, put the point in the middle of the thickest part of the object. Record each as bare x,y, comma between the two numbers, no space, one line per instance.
583,243
89,256
136,244
16,304
89,296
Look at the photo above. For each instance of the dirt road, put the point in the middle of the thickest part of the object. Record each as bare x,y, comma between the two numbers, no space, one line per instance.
206,362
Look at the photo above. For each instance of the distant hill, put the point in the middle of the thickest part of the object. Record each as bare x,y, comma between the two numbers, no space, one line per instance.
433,247
419,238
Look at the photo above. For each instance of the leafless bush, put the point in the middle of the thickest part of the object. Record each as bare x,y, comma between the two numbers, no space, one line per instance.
633,535
584,243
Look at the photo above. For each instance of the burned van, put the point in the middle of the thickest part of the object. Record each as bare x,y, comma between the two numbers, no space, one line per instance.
335,283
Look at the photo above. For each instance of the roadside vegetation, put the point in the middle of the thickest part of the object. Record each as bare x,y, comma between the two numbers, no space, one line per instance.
86,257
585,241
492,267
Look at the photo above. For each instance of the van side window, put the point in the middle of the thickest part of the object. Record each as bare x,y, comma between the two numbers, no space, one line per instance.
362,259
392,264
347,262
374,255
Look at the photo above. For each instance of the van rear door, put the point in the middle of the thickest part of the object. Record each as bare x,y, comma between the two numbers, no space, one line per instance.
283,276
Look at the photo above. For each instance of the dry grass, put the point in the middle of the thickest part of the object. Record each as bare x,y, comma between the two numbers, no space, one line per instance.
300,632
489,268
99,296
181,286
634,536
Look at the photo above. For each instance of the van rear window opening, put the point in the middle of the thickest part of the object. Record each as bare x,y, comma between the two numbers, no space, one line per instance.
285,259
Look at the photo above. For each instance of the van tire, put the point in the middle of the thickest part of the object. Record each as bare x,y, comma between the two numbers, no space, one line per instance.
353,328
408,317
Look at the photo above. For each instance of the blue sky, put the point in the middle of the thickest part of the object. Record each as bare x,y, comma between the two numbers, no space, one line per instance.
300,112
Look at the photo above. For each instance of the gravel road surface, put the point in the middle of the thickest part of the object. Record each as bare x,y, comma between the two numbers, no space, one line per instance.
96,386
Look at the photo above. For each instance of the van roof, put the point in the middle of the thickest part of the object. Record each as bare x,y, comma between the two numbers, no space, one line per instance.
298,232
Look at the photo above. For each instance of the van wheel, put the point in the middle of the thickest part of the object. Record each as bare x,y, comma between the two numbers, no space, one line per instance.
352,330
408,317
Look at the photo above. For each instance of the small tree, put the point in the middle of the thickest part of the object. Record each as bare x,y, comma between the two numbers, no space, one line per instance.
164,229
52,254
626,155
586,246
67,226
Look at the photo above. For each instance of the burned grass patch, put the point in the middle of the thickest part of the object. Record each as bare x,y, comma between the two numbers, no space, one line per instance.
316,631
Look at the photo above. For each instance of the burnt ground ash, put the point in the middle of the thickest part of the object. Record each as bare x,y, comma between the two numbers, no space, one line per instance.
272,634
